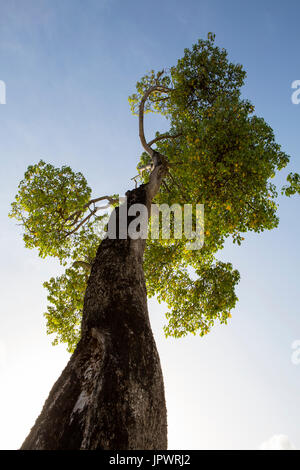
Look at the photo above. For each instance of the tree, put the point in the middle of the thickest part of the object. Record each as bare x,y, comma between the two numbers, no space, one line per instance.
217,152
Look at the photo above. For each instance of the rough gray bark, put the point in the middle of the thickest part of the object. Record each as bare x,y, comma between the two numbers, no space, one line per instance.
111,393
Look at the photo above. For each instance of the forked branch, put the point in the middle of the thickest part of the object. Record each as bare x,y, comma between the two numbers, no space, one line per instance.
75,217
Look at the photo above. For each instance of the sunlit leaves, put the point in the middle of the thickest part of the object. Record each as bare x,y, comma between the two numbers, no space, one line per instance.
294,185
196,289
65,295
224,157
47,204
157,101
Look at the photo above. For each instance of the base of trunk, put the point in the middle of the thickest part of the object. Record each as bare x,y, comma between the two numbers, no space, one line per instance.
95,405
110,396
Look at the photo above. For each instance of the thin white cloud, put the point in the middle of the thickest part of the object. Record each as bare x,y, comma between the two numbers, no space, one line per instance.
278,442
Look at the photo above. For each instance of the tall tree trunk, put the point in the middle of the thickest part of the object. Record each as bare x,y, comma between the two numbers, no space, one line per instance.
111,393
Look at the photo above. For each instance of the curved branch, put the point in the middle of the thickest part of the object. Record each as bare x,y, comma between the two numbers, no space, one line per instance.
150,90
163,136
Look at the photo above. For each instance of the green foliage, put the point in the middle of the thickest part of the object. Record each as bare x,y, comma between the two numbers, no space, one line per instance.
219,153
294,186
196,290
66,294
224,157
46,200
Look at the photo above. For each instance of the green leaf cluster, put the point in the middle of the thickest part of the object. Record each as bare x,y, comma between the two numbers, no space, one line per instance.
46,200
294,185
222,155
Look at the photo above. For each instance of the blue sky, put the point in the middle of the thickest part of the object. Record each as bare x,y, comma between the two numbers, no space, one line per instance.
69,67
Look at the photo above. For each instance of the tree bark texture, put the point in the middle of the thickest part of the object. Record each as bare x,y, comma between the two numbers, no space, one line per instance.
110,396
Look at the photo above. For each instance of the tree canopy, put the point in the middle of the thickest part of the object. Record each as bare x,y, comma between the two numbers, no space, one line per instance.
218,153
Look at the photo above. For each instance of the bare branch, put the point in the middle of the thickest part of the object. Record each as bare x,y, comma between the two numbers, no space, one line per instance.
163,136
82,222
76,215
150,90
158,100
102,198
101,208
